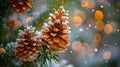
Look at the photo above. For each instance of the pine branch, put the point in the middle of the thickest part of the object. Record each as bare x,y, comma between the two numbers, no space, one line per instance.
9,59
38,22
46,57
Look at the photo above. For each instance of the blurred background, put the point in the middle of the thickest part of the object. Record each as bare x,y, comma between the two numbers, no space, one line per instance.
95,30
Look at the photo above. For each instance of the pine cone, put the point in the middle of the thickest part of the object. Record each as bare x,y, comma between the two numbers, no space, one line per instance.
56,34
13,23
2,51
21,6
29,45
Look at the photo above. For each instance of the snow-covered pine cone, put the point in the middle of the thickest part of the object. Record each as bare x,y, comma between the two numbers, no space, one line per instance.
21,6
28,45
56,33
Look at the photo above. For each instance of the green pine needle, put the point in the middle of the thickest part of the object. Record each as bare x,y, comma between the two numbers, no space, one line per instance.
46,57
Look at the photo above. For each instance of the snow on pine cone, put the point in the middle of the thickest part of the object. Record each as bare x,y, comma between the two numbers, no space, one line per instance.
21,6
28,45
56,33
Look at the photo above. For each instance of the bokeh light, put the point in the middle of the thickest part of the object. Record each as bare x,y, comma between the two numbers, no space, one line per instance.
98,62
88,49
88,3
97,39
14,23
77,20
79,17
99,15
91,21
99,25
84,3
28,19
2,50
107,55
76,45
81,14
114,25
82,47
108,29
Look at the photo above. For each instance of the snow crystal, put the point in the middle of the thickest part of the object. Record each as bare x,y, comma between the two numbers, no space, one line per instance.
49,18
56,12
69,27
106,61
89,25
87,28
69,31
77,36
34,39
71,51
20,3
115,43
109,4
51,14
13,5
50,42
64,61
67,11
28,27
101,6
38,33
64,31
118,10
34,44
66,22
93,10
95,27
65,17
118,30
21,32
69,65
66,14
57,20
31,31
45,25
53,34
17,10
95,49
62,8
105,44
85,62
80,29
108,21
23,8
50,22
